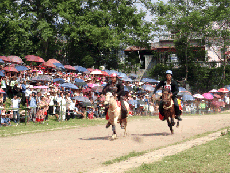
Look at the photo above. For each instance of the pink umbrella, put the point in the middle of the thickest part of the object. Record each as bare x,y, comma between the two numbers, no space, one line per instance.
207,96
14,59
91,85
10,69
33,58
217,96
53,61
4,58
48,64
223,90
69,67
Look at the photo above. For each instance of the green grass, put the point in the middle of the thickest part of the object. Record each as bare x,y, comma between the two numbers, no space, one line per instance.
125,157
134,154
210,157
52,125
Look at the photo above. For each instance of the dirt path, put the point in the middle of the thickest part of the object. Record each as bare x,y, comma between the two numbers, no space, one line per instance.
84,149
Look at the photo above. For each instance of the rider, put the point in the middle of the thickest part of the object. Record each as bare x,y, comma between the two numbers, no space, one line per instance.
170,84
116,87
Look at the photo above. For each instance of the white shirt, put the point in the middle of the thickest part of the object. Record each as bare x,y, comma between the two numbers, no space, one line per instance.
15,103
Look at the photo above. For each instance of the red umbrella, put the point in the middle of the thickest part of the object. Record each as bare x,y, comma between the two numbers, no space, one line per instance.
104,73
48,64
223,90
34,58
53,61
10,69
69,67
217,96
14,59
86,90
4,58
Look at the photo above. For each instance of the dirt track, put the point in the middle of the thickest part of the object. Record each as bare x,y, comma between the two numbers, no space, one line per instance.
84,149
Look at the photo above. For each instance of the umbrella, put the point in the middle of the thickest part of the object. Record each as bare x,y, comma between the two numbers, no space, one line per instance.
217,96
14,59
223,90
213,91
59,80
81,83
34,58
96,72
182,89
187,97
21,68
97,89
78,80
4,58
2,73
48,64
42,78
59,65
126,79
149,80
132,75
53,61
208,96
92,85
104,73
69,67
80,68
69,85
41,87
148,87
10,69
1,61
184,93
85,104
122,75
86,90
199,96
81,98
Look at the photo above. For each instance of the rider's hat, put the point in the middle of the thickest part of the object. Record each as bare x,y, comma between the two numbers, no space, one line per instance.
169,72
113,75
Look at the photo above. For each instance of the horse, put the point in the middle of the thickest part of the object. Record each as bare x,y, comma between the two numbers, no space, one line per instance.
168,109
114,114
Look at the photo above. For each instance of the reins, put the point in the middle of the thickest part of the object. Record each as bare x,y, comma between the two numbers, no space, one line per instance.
166,108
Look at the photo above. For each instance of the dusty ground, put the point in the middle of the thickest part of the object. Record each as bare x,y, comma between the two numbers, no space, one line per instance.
84,149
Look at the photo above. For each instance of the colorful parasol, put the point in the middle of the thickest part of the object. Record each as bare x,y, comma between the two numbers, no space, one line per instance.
48,64
10,69
34,58
69,67
14,59
53,61
4,58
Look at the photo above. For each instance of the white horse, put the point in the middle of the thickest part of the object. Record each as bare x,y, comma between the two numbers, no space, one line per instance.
114,113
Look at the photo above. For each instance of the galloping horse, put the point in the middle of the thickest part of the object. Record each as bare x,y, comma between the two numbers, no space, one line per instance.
168,109
114,113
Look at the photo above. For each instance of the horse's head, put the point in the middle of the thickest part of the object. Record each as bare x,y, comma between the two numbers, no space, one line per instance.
166,96
108,97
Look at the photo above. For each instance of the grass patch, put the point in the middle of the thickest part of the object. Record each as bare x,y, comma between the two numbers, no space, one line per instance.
210,157
134,154
52,124
125,157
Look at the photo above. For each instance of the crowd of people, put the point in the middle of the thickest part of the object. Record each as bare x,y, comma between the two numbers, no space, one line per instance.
45,92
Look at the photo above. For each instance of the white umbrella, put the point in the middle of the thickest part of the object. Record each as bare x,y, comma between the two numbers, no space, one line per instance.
199,96
96,72
213,91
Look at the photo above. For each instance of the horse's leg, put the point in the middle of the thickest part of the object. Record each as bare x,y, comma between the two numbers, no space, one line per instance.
169,124
172,121
114,132
177,124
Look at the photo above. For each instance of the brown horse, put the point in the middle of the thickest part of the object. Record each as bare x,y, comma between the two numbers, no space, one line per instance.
168,109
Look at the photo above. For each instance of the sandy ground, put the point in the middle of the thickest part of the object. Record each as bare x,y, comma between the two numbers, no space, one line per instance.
84,149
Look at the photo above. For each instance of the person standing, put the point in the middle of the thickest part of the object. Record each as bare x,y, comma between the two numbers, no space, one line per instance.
15,105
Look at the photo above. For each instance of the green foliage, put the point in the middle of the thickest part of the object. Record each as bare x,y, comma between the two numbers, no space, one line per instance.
71,31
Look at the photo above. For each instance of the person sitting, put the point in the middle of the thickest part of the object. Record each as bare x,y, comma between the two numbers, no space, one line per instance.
170,84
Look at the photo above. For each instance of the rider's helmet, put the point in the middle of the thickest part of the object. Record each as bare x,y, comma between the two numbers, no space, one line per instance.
113,75
169,72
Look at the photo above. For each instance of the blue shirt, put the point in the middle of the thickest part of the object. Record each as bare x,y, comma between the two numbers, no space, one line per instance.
23,88
33,102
